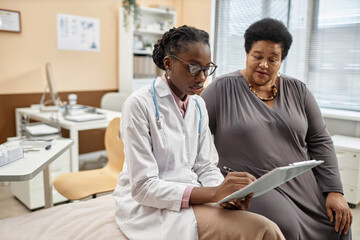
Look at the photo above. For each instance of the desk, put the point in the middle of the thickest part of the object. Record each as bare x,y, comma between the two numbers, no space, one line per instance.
32,163
73,127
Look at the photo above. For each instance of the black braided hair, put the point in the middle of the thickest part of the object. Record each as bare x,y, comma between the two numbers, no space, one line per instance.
175,40
268,29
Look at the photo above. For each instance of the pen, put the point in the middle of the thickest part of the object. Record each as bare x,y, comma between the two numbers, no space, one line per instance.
227,169
31,150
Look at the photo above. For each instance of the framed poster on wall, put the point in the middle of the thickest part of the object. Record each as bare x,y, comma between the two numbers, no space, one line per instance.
78,33
10,20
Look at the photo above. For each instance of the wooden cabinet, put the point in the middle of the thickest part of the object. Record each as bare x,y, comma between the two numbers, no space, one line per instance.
348,154
136,68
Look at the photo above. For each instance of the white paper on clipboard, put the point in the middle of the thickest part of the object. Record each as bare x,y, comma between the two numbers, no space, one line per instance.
272,179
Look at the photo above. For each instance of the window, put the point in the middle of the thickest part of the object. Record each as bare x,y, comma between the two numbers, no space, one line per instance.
232,19
325,53
334,63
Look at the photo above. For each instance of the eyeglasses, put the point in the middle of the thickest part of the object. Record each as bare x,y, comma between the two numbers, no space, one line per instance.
195,69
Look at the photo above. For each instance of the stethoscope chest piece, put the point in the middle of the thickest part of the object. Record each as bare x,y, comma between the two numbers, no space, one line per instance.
159,122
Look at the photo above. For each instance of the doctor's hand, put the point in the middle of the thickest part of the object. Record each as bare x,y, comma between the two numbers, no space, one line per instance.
238,204
336,203
235,181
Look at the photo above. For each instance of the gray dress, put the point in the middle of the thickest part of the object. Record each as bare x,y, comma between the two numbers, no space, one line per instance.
250,136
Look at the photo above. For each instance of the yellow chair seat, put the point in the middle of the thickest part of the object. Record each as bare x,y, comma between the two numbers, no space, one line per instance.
102,180
78,185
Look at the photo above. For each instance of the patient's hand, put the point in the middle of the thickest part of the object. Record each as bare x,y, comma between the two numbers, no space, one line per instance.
335,203
238,204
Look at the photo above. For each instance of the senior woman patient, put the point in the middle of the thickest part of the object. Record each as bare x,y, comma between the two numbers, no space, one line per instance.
262,119
170,167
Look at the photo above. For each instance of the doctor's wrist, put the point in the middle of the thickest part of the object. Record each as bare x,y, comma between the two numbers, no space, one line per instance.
200,195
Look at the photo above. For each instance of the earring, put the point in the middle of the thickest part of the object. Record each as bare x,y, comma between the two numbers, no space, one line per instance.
168,74
279,74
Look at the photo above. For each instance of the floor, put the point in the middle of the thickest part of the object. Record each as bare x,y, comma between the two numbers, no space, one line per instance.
10,206
356,222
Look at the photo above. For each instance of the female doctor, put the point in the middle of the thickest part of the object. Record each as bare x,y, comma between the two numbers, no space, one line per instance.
171,161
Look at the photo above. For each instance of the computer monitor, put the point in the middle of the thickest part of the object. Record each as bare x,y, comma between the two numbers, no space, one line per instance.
55,99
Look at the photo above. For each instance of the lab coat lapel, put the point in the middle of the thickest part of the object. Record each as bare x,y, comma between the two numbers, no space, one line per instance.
190,108
163,90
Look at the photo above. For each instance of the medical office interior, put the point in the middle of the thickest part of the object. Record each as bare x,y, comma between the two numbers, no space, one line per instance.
89,54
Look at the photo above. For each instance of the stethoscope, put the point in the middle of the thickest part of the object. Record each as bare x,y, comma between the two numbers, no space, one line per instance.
157,114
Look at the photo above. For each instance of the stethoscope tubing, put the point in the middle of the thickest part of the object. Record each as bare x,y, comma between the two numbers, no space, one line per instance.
157,114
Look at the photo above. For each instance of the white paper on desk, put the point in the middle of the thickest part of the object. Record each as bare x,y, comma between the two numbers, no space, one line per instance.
270,180
85,117
41,129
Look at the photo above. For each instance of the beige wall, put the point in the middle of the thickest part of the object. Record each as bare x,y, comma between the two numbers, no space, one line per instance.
23,55
197,13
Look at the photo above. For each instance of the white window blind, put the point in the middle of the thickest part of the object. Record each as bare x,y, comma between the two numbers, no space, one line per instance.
325,53
334,64
232,18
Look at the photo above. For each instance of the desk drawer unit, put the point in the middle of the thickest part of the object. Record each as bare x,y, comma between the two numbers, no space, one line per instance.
348,154
31,193
348,159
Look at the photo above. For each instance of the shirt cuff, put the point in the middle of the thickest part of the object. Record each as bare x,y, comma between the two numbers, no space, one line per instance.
186,197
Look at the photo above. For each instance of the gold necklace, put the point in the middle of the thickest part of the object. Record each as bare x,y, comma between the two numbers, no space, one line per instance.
273,89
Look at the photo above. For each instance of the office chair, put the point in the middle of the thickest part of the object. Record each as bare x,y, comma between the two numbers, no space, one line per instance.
78,185
110,101
113,101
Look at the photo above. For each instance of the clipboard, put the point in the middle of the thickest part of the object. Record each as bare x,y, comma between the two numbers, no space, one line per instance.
272,179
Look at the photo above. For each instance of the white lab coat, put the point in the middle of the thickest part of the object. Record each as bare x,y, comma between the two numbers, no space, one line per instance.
160,163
